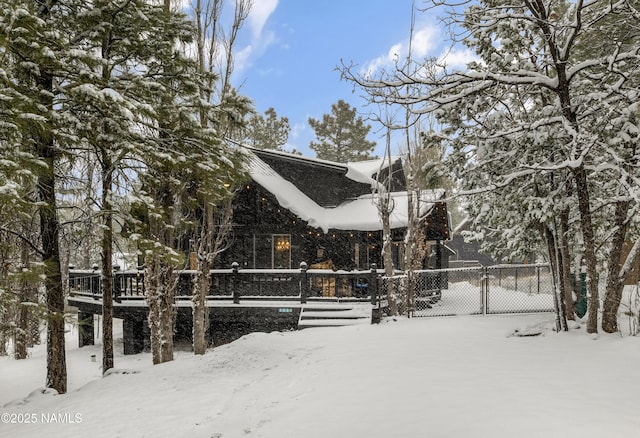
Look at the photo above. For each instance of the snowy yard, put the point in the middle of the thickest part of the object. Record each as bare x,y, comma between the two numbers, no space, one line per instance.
441,377
464,298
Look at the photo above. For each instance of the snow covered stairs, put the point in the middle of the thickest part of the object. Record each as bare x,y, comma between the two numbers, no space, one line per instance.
334,315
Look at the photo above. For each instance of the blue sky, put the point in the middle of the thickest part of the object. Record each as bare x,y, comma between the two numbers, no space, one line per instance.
288,51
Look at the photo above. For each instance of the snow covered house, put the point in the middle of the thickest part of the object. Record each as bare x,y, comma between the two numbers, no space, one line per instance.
298,209
293,209
466,253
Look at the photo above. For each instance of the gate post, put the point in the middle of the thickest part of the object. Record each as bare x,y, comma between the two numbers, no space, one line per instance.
484,290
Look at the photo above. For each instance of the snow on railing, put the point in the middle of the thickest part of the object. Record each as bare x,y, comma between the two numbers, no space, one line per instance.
234,284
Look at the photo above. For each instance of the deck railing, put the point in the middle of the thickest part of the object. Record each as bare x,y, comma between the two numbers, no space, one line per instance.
453,291
243,284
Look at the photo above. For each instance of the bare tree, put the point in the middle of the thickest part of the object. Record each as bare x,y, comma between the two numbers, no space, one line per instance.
386,206
215,51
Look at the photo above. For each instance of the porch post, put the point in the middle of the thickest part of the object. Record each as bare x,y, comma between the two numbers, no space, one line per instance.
85,329
235,283
373,284
304,285
133,334
438,255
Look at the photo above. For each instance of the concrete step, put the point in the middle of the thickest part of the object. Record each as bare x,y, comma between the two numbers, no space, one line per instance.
309,323
331,315
334,315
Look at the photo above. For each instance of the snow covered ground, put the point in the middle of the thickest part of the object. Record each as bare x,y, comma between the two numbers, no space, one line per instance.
465,376
465,298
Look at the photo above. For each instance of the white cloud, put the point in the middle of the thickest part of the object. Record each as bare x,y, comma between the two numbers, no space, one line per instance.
458,58
253,39
427,41
260,39
242,57
424,41
383,61
260,12
271,71
299,130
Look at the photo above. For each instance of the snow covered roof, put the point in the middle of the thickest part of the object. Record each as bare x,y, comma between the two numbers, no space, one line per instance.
462,225
359,214
366,167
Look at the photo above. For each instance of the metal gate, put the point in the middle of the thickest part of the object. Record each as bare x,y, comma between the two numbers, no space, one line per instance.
499,289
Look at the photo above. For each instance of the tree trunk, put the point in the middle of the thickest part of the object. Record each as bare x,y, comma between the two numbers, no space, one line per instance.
384,209
553,260
560,270
49,229
202,282
20,343
152,286
388,263
167,311
26,320
615,282
216,226
107,262
617,274
160,285
569,310
409,247
584,206
49,232
88,242
25,295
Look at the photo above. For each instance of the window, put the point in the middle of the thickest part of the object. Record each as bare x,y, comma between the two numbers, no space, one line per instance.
282,251
262,251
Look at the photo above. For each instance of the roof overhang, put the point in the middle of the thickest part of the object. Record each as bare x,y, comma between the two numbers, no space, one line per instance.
360,214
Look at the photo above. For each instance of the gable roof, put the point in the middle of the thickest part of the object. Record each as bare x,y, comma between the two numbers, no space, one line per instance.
328,183
354,212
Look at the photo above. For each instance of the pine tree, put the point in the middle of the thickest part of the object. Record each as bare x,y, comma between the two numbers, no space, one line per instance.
34,41
268,131
342,135
531,122
125,74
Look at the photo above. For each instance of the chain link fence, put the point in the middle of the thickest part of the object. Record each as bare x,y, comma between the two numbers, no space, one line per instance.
472,291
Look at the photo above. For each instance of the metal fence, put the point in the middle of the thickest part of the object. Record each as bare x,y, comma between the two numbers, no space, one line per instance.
473,291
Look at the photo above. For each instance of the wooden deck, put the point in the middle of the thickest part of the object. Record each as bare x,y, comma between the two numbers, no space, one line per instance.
228,320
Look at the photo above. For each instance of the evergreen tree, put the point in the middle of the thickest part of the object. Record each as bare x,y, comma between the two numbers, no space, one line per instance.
342,135
268,131
535,126
34,42
133,69
106,81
